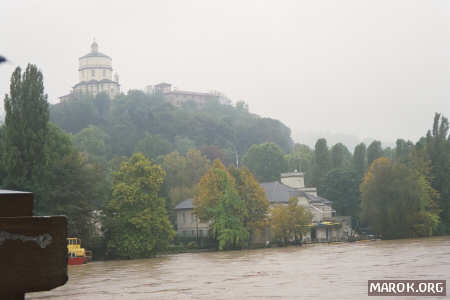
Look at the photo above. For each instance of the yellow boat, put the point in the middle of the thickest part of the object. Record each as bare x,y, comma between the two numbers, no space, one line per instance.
77,255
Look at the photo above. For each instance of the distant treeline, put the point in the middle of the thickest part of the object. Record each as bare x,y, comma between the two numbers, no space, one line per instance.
395,192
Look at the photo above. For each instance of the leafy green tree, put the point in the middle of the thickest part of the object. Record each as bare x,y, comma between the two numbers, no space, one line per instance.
289,222
196,166
182,174
94,141
397,201
321,161
301,159
25,130
102,103
153,146
342,187
136,218
229,214
254,197
73,186
183,144
340,156
402,150
74,115
217,201
437,145
266,161
359,160
374,151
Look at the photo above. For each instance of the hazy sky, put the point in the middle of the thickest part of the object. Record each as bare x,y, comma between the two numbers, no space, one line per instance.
375,68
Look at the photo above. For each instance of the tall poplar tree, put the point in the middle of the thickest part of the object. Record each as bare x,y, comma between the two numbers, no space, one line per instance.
438,149
359,159
374,151
25,130
321,161
340,156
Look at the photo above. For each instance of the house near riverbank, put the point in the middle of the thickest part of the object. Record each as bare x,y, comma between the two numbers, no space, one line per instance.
188,224
326,226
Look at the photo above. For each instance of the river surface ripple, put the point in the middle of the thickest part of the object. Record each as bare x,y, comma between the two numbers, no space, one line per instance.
318,271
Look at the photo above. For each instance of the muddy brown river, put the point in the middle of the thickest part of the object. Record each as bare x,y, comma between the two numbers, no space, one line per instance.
319,271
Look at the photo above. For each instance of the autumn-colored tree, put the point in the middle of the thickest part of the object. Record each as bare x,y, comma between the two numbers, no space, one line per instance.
136,218
209,190
254,197
217,201
290,222
182,174
398,201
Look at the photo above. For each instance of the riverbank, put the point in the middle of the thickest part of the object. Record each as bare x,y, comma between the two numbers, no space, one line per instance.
315,271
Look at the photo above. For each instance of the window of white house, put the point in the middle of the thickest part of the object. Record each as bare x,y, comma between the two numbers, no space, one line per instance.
184,218
192,218
104,73
93,73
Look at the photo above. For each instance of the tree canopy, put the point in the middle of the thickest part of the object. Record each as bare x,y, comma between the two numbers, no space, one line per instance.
289,222
131,118
25,129
218,202
397,201
136,216
266,161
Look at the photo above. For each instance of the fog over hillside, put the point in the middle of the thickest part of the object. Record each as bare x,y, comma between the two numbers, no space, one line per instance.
377,69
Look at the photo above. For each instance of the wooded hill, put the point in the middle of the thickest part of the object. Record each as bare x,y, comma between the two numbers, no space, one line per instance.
146,123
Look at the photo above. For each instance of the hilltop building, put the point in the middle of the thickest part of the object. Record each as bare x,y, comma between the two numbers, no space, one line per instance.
325,227
179,97
95,75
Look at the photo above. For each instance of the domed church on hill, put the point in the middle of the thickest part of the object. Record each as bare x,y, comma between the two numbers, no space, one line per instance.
95,75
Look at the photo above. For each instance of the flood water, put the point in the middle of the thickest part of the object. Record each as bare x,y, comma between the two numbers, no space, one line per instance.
319,271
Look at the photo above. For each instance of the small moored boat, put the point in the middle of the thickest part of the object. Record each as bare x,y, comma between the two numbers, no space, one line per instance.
77,255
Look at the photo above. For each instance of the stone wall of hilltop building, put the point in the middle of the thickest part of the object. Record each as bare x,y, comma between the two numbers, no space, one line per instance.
178,97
